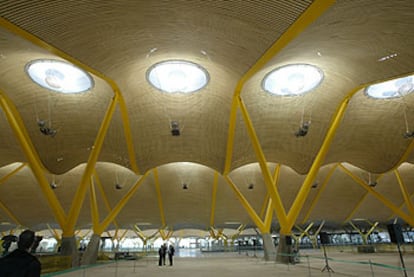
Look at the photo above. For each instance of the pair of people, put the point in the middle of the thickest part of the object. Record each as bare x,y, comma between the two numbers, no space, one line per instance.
163,251
20,263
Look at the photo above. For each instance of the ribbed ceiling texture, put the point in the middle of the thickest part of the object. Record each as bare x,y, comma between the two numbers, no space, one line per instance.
117,136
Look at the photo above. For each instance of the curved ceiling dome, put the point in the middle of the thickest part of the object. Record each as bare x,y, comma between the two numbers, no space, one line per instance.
177,76
292,79
59,76
391,89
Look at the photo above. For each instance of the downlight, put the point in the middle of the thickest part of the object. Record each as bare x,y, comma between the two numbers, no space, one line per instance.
292,80
177,76
59,76
399,87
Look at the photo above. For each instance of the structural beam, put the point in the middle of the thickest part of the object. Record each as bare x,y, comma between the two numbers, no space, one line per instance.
11,173
351,214
274,194
249,209
382,199
319,193
50,48
94,206
310,177
213,199
405,193
16,123
104,197
120,205
90,167
9,214
316,9
159,197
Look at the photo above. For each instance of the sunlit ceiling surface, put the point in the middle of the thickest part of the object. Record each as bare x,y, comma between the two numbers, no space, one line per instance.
120,132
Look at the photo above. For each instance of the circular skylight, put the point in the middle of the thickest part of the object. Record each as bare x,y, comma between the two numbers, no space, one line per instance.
59,76
177,76
292,80
391,89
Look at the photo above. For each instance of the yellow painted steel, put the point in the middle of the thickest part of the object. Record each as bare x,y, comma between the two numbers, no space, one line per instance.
159,197
230,135
213,199
364,235
274,194
104,197
128,134
405,193
124,113
90,167
10,174
9,213
94,205
382,199
36,166
351,214
252,213
120,205
319,193
265,205
310,177
269,212
402,205
53,232
316,9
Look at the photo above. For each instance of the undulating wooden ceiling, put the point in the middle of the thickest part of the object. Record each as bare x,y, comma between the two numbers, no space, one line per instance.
355,44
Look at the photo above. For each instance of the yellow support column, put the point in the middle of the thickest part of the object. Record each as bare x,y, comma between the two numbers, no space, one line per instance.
90,167
120,205
382,199
316,9
159,197
213,199
252,213
310,177
16,123
319,193
274,194
405,193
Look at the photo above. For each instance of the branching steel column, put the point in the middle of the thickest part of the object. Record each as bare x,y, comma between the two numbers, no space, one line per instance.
405,193
159,197
316,9
377,195
50,48
252,213
90,167
36,166
120,205
104,197
14,171
274,194
310,178
270,209
213,199
9,213
351,214
94,205
319,193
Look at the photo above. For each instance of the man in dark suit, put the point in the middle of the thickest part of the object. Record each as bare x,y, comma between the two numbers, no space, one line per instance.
20,263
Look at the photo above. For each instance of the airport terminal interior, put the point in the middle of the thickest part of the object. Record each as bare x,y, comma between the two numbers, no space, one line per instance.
255,136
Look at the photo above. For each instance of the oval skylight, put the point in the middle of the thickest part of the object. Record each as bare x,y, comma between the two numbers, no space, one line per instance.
177,76
59,76
292,80
391,89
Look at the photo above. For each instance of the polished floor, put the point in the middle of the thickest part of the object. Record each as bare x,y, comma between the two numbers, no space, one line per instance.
251,264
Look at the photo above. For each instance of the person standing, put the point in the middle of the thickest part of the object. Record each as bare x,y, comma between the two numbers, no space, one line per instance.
164,253
171,251
160,254
20,263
